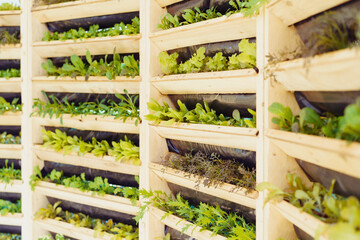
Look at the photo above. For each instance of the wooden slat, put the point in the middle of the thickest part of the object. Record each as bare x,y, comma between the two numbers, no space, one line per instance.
164,3
178,224
10,119
236,137
301,219
10,85
91,122
334,154
83,9
11,51
93,85
106,163
15,186
112,203
321,73
225,191
236,81
11,151
214,30
293,11
96,46
15,219
10,18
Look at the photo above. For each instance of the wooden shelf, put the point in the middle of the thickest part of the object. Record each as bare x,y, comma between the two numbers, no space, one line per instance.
226,191
164,3
236,137
96,46
10,119
15,186
15,219
334,154
92,85
293,11
112,203
105,163
11,151
178,224
334,71
303,220
10,18
83,9
70,230
91,122
214,30
11,85
235,81
10,51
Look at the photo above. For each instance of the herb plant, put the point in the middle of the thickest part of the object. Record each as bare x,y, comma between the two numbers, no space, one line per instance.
119,230
95,31
122,110
99,185
10,73
57,237
6,138
9,6
7,38
201,63
310,122
126,66
10,236
341,214
8,173
12,106
7,207
200,114
124,150
212,170
206,217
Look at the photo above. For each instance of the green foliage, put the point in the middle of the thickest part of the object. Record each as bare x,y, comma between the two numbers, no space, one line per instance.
9,138
98,185
8,173
201,63
341,214
204,216
201,114
12,106
57,237
126,108
127,66
10,236
119,230
95,31
212,170
124,150
7,38
7,207
345,127
10,73
9,6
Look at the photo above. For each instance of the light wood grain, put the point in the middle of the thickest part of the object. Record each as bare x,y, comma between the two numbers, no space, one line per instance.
15,219
10,85
164,3
10,51
10,119
10,18
11,151
15,186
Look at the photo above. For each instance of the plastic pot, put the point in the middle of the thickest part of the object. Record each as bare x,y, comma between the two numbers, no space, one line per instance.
221,5
177,235
16,162
345,185
9,63
10,229
10,96
178,8
14,130
302,235
10,196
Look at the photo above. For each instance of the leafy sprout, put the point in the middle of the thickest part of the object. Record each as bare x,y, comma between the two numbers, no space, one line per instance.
7,207
10,73
12,106
9,173
6,138
7,38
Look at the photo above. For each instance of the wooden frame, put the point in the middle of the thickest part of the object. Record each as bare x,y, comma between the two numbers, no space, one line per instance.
10,18
10,51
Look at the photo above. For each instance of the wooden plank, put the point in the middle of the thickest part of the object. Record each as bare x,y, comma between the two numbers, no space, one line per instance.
10,151
10,51
10,18
96,46
106,163
15,219
110,202
293,11
321,73
15,186
335,154
236,137
83,9
164,3
178,224
235,81
225,191
70,230
214,30
10,119
90,122
10,85
301,219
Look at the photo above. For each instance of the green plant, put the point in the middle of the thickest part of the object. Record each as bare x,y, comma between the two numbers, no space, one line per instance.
12,106
95,31
200,114
204,216
52,106
7,207
7,38
119,230
99,185
10,236
8,173
9,6
10,73
201,63
57,237
310,122
341,214
127,66
6,138
124,150
212,170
